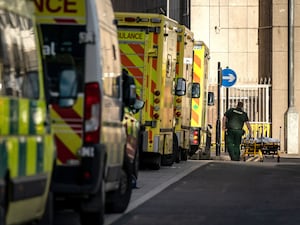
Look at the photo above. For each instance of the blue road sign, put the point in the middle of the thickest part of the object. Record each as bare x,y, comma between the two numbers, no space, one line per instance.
228,77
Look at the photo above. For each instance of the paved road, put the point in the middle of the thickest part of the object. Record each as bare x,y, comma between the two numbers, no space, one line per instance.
206,192
226,193
150,183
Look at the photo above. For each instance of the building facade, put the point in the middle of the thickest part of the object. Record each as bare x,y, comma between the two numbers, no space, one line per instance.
178,10
248,36
251,37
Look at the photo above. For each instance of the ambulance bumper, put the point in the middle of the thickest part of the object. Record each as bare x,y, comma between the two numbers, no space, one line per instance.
80,180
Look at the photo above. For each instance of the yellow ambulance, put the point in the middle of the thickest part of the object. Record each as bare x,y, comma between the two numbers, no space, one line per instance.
148,51
200,133
182,103
27,152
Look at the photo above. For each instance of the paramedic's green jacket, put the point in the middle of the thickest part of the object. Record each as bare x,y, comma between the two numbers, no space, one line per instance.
235,119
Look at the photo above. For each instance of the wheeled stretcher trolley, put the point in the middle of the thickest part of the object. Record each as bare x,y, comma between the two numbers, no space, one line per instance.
262,146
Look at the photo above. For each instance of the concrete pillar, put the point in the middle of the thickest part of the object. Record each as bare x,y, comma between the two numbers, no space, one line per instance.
292,116
292,131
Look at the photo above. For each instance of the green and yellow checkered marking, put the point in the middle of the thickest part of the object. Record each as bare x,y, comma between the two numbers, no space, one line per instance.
24,141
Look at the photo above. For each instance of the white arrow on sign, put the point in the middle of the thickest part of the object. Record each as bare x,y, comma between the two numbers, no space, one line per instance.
230,77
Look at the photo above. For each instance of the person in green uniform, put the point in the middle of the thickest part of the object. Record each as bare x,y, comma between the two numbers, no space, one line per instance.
233,122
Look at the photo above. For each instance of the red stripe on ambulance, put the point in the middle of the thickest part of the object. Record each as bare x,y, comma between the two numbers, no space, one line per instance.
64,154
70,117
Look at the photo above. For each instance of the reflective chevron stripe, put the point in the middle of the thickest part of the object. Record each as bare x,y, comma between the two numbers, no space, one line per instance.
196,116
68,130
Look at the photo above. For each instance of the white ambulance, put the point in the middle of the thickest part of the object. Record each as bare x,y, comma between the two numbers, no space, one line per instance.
83,72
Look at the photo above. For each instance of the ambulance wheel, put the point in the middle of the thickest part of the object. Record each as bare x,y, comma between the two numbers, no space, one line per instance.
136,164
117,201
193,150
176,150
96,217
156,164
184,154
2,216
48,216
92,218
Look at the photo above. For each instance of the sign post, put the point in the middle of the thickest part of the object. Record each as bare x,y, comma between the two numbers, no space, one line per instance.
228,80
218,125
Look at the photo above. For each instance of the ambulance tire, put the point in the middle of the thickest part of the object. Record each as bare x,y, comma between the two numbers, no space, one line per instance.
184,154
193,150
156,164
94,217
2,216
48,217
117,201
136,164
176,149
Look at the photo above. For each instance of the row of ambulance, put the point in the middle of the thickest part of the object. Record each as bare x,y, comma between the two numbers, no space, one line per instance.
171,73
87,96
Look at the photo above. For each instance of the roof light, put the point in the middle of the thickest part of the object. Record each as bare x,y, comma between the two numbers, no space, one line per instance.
156,116
155,20
157,93
178,114
178,100
156,100
156,108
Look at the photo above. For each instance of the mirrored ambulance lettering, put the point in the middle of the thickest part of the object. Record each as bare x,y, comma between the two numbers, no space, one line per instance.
66,6
49,49
131,35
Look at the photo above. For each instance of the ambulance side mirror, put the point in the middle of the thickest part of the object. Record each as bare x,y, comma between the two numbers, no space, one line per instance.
137,106
180,89
132,94
211,98
67,88
195,90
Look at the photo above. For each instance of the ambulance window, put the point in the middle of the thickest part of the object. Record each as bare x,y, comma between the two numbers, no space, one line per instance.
62,51
18,57
111,64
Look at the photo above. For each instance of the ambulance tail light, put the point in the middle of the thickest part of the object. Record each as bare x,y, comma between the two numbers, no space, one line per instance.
92,111
87,175
195,137
156,101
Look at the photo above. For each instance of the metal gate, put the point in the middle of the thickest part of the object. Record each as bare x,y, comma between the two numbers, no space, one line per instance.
257,104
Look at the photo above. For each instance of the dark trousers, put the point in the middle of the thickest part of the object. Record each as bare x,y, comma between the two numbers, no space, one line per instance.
233,143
